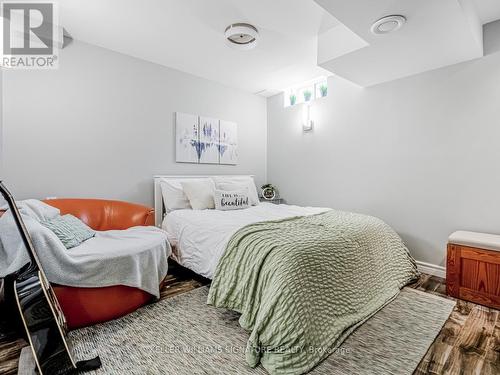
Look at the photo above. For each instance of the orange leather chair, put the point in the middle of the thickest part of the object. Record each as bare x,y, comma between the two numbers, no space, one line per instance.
86,306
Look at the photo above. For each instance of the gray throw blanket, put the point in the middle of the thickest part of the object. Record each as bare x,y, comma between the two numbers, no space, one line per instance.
136,257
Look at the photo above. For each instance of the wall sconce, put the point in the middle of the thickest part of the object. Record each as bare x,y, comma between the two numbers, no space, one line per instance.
307,123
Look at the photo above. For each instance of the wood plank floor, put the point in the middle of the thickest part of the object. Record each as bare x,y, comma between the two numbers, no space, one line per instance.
469,342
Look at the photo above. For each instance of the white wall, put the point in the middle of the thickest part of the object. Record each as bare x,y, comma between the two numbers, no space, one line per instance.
422,153
102,126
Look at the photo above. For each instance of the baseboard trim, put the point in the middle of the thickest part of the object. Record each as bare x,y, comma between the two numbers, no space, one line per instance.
431,269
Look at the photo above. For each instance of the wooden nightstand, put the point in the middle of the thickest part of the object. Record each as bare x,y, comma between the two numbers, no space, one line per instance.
274,201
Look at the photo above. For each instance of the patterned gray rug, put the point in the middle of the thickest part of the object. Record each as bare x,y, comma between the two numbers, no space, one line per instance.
182,335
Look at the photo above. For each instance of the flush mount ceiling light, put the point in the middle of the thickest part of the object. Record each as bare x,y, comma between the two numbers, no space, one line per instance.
241,36
388,24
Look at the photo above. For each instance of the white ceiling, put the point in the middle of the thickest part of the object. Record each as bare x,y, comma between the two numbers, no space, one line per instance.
437,34
188,35
488,10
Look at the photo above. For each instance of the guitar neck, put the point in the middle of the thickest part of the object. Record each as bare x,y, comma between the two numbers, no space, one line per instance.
35,264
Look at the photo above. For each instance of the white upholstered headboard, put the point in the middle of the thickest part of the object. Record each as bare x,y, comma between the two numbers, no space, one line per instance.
158,197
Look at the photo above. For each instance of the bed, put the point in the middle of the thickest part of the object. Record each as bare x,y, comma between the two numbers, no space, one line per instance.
199,237
302,278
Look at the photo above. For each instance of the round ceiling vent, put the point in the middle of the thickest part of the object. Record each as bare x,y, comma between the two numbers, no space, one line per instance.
388,24
241,36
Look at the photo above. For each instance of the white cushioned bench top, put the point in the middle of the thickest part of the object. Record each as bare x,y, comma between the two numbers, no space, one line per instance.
475,239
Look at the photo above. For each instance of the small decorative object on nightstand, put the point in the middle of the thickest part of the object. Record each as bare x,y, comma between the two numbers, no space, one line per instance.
268,192
473,268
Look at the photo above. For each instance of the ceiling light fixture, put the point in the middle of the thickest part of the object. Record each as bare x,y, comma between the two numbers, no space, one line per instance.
242,36
388,24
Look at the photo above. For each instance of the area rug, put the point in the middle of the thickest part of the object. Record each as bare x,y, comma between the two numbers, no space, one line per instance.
182,335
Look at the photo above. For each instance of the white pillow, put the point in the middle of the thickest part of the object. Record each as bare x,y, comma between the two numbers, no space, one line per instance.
200,193
173,195
233,183
231,200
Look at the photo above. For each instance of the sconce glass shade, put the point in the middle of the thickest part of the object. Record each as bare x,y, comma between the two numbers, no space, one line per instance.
307,123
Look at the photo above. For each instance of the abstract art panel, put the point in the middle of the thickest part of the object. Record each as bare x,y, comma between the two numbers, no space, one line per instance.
228,143
205,140
187,138
209,140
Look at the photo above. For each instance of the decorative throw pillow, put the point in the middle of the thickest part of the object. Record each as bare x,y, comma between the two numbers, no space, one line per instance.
200,193
69,229
231,200
233,183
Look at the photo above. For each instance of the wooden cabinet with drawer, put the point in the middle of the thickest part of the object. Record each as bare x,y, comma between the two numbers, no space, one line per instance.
473,268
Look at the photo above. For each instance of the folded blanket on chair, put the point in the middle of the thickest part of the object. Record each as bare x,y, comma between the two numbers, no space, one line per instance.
136,257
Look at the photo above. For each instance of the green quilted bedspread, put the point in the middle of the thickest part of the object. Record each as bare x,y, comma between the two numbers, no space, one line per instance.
303,284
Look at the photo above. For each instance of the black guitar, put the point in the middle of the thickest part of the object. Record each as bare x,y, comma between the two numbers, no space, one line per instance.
43,321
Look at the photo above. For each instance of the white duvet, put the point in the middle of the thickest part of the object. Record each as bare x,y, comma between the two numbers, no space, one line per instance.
200,236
